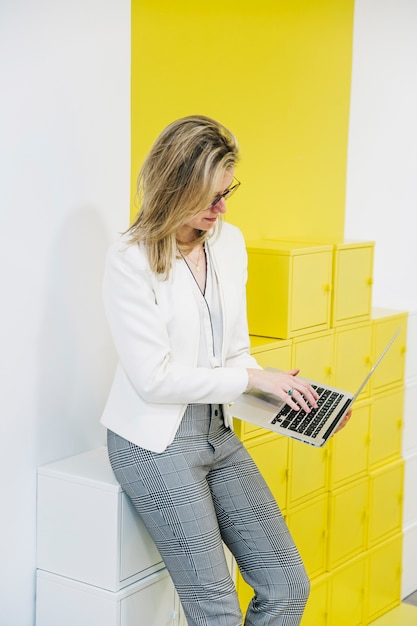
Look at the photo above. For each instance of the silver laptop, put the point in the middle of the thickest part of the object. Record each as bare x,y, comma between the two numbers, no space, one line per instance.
315,428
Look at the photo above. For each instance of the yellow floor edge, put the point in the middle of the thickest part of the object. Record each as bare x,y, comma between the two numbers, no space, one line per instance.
402,615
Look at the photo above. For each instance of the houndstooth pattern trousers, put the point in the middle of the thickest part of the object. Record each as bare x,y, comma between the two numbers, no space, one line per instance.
202,490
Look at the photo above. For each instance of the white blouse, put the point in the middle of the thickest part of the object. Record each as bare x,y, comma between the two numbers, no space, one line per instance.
211,318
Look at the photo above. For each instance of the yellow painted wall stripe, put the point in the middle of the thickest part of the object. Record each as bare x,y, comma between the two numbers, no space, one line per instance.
278,74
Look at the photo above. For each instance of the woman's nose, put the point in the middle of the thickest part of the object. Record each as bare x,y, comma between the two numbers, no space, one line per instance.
220,207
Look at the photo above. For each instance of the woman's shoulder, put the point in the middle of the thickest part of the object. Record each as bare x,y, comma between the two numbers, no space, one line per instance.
122,252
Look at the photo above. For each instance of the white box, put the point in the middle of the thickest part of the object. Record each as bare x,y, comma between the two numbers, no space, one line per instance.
87,528
151,601
409,443
409,569
410,491
411,355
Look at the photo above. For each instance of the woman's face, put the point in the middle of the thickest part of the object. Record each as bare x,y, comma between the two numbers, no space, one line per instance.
205,220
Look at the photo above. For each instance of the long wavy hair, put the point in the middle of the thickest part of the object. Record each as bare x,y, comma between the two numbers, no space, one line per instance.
180,177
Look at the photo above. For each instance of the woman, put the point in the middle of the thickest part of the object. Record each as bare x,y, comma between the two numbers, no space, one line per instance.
174,293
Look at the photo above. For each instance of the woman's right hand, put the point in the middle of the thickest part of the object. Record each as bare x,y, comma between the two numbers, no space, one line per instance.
294,391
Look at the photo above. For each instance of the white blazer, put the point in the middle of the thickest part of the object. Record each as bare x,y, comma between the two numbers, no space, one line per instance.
155,325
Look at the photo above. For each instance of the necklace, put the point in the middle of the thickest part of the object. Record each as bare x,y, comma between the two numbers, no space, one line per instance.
196,263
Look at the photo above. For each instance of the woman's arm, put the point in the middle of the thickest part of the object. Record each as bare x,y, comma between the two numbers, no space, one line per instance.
296,392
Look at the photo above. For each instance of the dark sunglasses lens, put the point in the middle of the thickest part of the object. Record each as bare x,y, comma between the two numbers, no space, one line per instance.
225,195
230,191
216,200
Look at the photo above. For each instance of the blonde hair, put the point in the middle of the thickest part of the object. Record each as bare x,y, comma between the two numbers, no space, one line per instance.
179,177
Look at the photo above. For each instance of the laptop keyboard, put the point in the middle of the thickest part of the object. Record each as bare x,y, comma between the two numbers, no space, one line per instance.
309,423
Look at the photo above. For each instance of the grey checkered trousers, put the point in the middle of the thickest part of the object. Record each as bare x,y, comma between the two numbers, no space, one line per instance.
205,488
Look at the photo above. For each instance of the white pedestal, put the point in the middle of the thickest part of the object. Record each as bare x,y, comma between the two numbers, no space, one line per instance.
97,565
409,573
87,528
64,602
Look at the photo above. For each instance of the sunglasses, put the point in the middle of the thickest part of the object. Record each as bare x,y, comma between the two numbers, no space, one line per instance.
226,194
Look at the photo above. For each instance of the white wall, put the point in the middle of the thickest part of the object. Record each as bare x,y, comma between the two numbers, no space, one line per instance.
381,199
64,194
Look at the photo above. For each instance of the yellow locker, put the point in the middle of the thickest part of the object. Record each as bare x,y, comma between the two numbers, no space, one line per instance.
269,353
349,448
347,594
289,288
384,578
353,357
385,502
307,472
270,453
386,427
307,524
316,611
313,354
390,372
352,282
347,522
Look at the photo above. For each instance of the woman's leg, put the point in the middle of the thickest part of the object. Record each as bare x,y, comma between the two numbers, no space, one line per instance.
253,528
171,494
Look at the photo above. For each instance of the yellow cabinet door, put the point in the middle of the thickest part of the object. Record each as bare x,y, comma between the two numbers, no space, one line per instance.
386,424
352,282
353,357
310,292
347,522
316,611
390,372
268,353
313,355
347,594
385,502
307,472
349,448
270,453
384,578
308,523
289,288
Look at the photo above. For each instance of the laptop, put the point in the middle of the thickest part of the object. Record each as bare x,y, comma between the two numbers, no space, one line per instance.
314,428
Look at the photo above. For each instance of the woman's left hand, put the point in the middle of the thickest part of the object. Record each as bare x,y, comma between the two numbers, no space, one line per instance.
344,421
